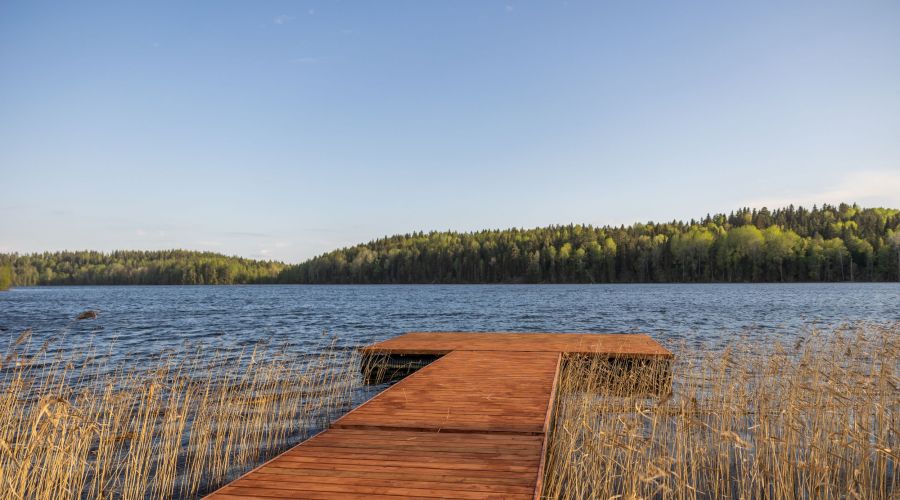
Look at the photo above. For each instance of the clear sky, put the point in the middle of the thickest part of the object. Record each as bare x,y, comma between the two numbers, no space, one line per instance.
285,129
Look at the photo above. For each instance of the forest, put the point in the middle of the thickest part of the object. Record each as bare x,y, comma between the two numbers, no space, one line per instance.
168,267
827,243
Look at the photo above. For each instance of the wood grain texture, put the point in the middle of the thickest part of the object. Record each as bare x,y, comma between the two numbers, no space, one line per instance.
344,463
473,424
606,344
466,391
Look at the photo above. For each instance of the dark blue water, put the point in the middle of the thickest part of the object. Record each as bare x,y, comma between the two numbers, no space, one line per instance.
147,320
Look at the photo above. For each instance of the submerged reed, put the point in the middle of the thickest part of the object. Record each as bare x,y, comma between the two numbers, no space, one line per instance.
818,419
72,426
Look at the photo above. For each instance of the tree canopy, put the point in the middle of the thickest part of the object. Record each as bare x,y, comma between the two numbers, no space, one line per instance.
167,267
6,277
828,243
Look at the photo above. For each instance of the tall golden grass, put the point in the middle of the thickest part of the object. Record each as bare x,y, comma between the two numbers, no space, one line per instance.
816,419
73,426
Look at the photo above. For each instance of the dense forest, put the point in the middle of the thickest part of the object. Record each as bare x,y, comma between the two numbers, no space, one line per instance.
169,267
6,277
843,243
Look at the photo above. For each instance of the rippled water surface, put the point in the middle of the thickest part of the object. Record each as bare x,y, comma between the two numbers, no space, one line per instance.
146,320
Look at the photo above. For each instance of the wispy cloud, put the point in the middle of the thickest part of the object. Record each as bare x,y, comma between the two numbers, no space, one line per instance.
509,8
245,234
282,19
867,187
143,233
305,60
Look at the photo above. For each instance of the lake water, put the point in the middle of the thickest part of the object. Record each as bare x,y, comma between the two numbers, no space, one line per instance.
145,320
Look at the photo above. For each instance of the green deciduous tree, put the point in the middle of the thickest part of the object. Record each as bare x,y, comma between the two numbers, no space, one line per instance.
6,277
780,245
789,244
165,267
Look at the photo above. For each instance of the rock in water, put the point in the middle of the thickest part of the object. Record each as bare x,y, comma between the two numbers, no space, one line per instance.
89,314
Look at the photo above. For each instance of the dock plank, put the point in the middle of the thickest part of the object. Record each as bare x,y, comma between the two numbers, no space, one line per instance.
438,343
491,390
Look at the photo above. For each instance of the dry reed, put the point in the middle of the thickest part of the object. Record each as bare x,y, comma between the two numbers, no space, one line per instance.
817,419
72,426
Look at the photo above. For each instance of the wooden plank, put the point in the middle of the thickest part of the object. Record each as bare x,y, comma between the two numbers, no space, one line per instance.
394,472
484,382
301,482
493,471
472,424
338,491
548,417
438,343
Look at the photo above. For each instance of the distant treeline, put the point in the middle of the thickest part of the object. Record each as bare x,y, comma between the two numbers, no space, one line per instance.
169,267
843,243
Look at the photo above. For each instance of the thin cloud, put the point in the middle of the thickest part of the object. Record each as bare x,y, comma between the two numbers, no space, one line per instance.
305,60
247,234
867,187
282,19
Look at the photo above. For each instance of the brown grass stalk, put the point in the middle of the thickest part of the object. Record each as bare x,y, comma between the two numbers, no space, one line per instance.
818,419
71,426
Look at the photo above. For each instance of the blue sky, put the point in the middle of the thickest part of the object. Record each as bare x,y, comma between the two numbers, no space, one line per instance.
285,129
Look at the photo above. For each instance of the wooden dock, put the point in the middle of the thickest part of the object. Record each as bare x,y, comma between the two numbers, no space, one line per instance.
472,424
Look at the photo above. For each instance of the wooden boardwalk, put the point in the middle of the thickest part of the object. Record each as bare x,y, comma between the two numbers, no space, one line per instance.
472,424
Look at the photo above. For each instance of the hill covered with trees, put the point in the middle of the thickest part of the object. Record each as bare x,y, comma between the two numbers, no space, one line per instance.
828,243
167,267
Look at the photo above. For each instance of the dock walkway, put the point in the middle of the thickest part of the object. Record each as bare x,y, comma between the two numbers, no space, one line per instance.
472,424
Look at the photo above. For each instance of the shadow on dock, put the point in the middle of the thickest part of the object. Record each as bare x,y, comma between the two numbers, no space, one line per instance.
382,368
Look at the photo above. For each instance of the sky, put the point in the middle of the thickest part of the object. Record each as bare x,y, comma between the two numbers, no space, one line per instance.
282,130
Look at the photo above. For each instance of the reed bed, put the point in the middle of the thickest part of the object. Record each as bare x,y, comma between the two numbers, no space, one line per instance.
73,426
816,419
